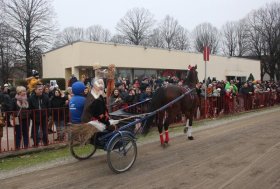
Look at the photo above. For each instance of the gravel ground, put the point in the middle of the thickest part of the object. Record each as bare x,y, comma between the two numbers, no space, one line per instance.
202,125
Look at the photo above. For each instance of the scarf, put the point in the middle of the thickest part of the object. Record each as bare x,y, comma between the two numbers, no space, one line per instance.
22,101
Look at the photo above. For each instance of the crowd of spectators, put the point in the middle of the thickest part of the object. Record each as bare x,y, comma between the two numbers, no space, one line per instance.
228,91
44,106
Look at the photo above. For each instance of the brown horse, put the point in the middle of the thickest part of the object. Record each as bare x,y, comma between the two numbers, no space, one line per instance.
186,105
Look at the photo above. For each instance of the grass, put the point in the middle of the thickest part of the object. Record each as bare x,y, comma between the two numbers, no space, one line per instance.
37,158
32,159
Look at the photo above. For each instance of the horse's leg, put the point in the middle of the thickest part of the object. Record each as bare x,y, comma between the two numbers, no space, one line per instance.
160,127
187,124
190,137
166,125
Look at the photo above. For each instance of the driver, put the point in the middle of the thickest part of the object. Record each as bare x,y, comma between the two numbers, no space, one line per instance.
95,110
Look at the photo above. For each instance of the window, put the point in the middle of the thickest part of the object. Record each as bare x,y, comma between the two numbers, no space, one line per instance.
140,73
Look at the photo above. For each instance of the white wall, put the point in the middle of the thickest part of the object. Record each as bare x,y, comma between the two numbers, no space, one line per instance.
87,53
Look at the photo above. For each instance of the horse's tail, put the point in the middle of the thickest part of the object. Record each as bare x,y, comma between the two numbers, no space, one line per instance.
154,105
148,123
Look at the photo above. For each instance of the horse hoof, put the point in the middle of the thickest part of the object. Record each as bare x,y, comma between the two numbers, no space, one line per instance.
185,130
165,142
164,145
190,138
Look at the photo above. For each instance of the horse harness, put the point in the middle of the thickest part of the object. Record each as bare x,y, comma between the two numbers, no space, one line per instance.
186,89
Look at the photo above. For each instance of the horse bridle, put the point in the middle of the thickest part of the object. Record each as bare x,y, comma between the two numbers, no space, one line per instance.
188,73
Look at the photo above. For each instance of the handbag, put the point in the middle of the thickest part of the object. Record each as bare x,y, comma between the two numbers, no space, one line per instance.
14,120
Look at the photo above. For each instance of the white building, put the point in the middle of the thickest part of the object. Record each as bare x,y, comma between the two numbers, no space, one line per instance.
77,58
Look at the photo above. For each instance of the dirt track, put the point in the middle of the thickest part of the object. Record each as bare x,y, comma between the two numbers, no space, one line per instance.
240,154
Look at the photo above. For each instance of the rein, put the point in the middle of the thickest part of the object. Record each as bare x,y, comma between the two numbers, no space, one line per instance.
130,117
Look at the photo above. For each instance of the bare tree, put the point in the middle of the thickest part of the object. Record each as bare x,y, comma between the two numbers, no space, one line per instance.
242,38
229,42
181,40
33,25
97,33
169,29
69,35
206,34
8,49
118,39
155,39
265,30
136,25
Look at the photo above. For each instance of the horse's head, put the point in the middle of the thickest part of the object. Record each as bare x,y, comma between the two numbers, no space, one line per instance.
192,76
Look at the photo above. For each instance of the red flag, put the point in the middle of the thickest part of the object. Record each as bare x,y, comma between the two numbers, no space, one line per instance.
206,52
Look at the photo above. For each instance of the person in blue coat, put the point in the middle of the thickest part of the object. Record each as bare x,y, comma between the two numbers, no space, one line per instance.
76,104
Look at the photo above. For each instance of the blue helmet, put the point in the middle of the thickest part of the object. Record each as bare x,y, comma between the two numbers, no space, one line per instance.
78,88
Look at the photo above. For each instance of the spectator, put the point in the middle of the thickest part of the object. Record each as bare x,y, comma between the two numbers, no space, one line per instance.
119,81
72,80
144,84
168,79
57,105
229,100
33,81
87,81
21,106
13,92
123,92
131,98
125,83
137,92
216,91
159,82
220,85
115,100
39,103
136,82
47,91
258,96
246,95
199,89
209,90
147,94
234,88
68,93
6,89
83,78
86,91
6,105
76,103
238,84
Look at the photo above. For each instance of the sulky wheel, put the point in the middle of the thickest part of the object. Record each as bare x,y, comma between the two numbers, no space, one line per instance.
82,151
122,153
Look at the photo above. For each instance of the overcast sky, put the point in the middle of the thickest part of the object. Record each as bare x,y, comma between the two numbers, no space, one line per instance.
189,13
